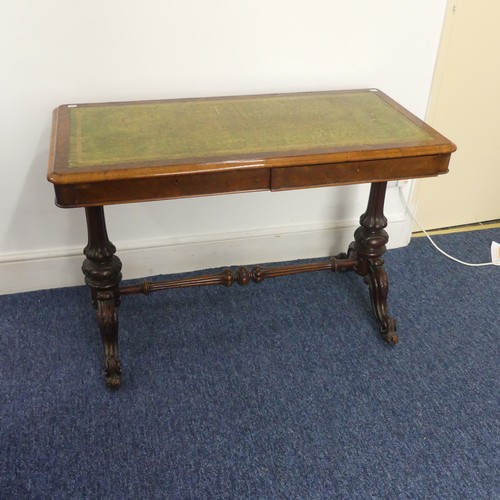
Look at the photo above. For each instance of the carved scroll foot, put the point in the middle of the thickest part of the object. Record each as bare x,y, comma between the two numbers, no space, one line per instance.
391,335
377,281
107,318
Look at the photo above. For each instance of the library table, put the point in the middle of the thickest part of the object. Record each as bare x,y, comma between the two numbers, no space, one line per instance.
125,152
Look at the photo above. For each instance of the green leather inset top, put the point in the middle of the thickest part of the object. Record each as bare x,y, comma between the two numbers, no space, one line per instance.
207,129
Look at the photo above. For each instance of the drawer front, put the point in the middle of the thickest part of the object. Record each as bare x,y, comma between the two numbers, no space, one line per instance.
358,171
161,187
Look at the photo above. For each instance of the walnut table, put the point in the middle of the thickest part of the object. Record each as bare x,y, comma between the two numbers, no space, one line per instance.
113,153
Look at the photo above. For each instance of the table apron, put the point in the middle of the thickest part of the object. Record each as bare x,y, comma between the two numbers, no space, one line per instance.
170,186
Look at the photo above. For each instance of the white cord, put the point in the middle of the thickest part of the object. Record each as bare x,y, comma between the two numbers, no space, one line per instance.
434,244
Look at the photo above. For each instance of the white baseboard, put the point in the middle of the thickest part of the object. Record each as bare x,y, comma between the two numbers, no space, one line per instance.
62,268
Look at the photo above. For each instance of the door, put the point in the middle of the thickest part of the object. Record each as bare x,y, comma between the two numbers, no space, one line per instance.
465,107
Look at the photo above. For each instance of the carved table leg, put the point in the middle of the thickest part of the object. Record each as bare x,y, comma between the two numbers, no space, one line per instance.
102,270
367,248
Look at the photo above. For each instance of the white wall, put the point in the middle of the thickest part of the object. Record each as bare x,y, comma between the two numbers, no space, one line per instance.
63,51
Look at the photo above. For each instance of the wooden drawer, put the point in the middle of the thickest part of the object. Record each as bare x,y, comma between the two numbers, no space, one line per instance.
358,171
161,187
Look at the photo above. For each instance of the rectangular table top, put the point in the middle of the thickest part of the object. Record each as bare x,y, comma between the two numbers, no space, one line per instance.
114,146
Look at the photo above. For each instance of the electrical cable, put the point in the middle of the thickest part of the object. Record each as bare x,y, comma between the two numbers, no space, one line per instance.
470,264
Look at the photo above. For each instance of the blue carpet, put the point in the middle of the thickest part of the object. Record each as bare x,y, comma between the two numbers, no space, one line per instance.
282,390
